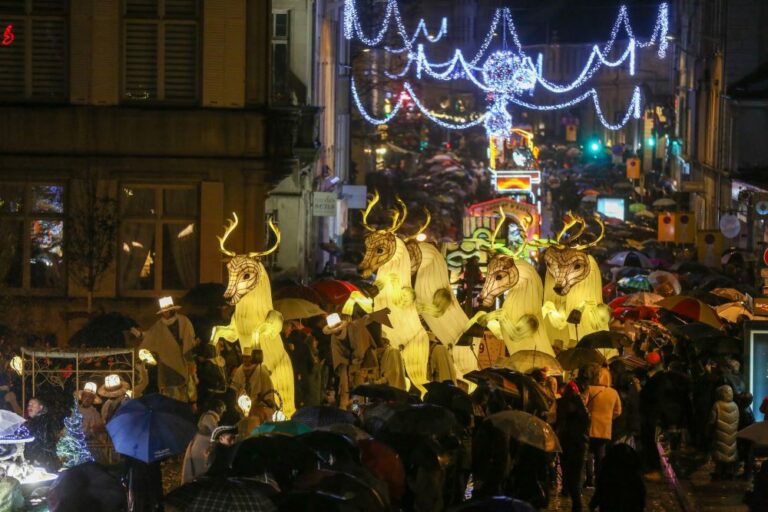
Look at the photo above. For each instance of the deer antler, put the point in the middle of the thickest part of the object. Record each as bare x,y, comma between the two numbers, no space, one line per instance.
272,249
398,224
498,228
374,200
581,247
573,220
228,229
423,226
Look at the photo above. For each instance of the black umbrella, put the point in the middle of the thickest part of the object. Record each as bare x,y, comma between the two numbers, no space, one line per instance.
523,391
717,345
358,495
708,298
317,416
226,494
332,447
694,330
575,358
280,455
452,398
604,339
690,267
422,419
88,486
382,392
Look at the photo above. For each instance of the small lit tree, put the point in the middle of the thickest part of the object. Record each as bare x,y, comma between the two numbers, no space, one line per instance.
91,235
72,448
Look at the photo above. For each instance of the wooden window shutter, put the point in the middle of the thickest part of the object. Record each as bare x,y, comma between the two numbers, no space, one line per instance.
211,220
181,73
224,54
13,62
105,70
80,37
49,59
140,61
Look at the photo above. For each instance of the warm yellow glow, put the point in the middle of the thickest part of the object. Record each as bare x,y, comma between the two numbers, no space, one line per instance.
90,387
421,237
244,403
187,231
17,364
165,302
147,357
112,381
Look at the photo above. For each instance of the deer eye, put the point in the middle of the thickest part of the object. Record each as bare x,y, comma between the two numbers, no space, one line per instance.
379,250
498,277
247,276
577,266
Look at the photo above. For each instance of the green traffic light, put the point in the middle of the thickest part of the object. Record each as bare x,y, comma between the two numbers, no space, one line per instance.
651,141
595,146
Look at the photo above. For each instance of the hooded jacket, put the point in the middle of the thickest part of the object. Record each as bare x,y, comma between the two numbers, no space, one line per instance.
725,418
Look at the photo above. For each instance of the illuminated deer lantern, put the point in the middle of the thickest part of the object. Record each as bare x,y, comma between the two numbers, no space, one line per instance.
254,322
519,321
573,282
387,255
435,300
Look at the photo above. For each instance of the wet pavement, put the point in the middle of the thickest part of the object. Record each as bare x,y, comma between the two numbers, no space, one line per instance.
703,494
659,498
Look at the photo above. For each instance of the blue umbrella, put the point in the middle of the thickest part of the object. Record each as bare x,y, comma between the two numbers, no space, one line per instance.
152,427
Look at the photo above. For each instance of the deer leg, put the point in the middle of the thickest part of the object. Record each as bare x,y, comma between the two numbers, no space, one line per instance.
416,359
279,364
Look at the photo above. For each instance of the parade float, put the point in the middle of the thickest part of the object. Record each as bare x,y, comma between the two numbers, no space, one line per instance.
255,323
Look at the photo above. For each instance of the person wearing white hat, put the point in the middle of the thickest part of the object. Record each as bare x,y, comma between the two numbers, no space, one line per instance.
252,378
115,390
172,340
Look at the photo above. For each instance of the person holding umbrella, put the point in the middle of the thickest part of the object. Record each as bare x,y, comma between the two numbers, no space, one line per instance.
572,427
604,405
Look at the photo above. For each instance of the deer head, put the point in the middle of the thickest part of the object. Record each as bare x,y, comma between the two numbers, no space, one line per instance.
502,271
567,263
380,244
244,270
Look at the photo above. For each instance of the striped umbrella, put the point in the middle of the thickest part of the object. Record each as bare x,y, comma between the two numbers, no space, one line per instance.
692,309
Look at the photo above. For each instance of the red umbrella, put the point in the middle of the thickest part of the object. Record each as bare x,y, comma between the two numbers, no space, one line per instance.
691,308
334,291
384,463
298,292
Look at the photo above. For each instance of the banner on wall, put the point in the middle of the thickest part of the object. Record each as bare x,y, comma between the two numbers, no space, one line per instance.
666,227
709,244
633,168
685,227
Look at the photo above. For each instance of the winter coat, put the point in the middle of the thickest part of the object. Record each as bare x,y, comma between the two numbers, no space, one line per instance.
42,451
603,404
196,456
725,420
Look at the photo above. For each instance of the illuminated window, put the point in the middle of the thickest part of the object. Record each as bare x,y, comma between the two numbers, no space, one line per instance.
159,238
33,65
161,50
32,236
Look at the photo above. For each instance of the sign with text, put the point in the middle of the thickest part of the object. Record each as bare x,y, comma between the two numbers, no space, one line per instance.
324,204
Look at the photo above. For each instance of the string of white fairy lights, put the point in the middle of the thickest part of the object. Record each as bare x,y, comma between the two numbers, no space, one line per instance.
504,74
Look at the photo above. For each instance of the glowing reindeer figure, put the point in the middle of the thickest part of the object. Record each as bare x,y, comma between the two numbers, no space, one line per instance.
254,322
519,321
387,255
435,300
573,282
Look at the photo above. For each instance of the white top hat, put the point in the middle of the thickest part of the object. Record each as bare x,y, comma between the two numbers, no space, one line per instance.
114,386
166,304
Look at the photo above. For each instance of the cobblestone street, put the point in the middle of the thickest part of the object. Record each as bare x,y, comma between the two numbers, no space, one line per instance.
660,498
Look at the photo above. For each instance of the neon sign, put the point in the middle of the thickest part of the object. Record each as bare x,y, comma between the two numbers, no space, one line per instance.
8,36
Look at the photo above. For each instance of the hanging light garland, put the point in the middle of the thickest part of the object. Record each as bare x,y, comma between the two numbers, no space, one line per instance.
505,74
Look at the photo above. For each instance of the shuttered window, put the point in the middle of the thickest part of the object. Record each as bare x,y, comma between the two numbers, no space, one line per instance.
161,51
33,50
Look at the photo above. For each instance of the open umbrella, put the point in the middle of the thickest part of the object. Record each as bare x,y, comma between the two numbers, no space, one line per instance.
717,345
451,397
385,464
526,428
152,427
737,257
733,311
604,339
334,291
642,299
731,294
637,207
630,259
664,202
382,392
691,308
297,309
527,360
282,456
290,427
644,214
9,422
694,330
575,358
424,419
520,389
756,432
297,291
638,282
665,283
230,494
87,486
317,416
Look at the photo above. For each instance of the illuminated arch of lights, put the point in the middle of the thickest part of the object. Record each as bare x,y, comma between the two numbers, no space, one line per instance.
504,74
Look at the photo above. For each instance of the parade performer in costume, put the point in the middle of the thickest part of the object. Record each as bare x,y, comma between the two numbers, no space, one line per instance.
518,323
573,282
387,255
172,340
255,323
